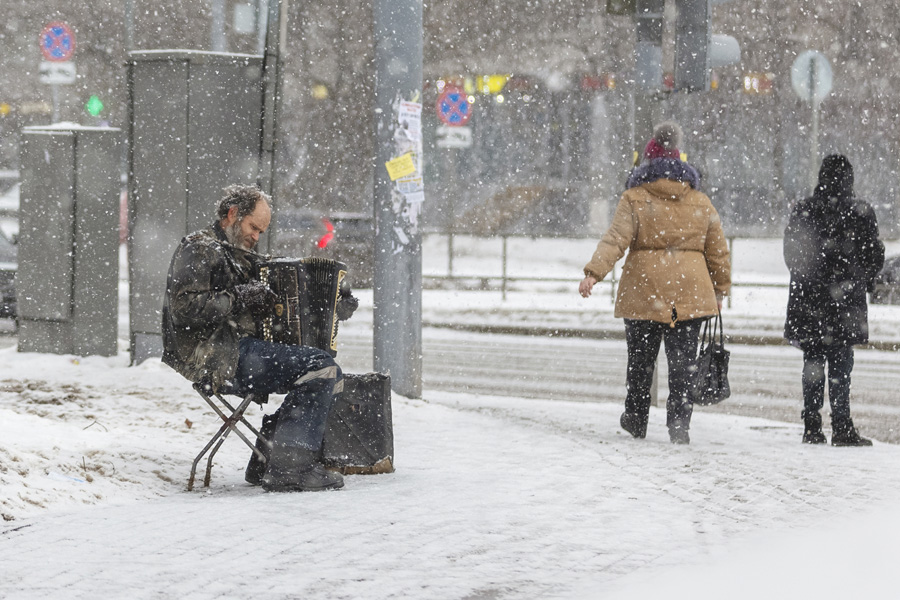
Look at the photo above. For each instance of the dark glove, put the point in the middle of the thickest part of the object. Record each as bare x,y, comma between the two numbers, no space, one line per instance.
255,297
346,306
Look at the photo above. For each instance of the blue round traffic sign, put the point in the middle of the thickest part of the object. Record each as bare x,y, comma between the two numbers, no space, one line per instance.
453,106
57,42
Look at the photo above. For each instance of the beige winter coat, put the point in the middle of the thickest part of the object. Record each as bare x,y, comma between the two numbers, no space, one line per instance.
677,253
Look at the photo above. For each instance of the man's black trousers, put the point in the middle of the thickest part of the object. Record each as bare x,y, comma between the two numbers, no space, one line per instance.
839,359
308,376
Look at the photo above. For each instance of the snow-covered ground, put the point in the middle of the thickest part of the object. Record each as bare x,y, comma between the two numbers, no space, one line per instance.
493,498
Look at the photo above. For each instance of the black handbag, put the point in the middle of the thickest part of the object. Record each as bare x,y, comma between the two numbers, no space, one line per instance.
711,381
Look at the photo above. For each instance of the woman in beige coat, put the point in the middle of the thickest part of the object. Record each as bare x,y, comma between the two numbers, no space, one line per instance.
675,276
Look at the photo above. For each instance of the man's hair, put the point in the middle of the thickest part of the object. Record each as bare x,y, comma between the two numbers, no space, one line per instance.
245,197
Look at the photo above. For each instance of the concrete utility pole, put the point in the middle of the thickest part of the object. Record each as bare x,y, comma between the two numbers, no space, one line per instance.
399,193
648,66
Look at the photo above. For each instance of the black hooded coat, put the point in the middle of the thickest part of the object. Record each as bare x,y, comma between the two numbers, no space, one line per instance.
833,253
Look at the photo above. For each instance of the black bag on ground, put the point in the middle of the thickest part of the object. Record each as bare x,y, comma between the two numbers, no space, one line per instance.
711,381
359,435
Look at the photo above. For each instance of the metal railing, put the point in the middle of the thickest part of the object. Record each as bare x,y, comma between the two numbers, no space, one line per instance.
502,281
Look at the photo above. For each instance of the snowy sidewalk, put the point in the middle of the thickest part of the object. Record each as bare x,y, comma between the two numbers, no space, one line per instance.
492,498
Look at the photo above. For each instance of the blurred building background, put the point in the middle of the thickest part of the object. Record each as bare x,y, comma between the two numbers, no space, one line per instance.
549,142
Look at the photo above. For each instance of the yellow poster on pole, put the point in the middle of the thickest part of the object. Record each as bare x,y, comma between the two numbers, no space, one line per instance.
401,166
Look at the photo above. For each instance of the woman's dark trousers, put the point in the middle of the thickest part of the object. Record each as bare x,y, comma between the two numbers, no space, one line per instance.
839,360
643,339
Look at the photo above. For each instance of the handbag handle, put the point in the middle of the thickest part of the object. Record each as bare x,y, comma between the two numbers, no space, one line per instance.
710,336
718,324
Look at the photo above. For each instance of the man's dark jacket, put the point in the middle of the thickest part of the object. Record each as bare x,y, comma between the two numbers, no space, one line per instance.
832,250
201,324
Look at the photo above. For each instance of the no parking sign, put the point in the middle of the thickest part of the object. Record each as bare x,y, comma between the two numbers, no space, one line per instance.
57,42
453,107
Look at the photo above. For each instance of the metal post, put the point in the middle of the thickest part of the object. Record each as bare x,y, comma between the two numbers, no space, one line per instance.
814,132
262,21
397,312
451,207
648,67
731,258
504,268
129,26
275,40
54,92
450,253
692,45
217,26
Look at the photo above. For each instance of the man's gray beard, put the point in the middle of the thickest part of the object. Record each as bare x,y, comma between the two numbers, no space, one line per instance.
233,235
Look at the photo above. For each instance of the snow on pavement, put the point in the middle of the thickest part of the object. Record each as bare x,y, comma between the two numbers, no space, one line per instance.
492,498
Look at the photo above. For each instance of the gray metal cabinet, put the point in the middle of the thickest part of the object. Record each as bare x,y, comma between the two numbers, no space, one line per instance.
194,129
68,274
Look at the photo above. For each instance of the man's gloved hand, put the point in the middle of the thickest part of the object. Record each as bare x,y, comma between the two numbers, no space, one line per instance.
346,305
255,297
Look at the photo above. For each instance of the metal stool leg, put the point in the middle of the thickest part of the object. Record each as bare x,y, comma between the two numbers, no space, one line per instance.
229,425
209,460
200,456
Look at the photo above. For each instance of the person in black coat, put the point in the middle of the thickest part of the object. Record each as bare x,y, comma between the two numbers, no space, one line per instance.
832,250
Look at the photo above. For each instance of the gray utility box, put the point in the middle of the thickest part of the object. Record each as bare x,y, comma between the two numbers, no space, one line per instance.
67,283
194,129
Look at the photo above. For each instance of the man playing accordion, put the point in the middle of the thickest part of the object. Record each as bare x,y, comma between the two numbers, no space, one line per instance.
210,317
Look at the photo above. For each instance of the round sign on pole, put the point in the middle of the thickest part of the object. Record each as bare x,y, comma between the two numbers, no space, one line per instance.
57,42
453,107
811,76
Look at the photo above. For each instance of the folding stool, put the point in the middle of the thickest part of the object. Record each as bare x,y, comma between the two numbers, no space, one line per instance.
231,419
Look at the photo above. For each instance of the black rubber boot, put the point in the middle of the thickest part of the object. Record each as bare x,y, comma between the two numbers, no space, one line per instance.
257,467
843,433
812,432
298,470
634,424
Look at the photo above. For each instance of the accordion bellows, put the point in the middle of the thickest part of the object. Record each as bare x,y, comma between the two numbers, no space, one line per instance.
307,291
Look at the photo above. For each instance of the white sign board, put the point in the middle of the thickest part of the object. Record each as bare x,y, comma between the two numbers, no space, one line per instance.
454,137
811,76
57,73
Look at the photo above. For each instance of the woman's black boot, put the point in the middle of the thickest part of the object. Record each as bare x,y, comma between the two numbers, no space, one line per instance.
635,424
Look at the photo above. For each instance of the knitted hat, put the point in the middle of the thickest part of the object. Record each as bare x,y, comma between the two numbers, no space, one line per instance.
665,141
835,177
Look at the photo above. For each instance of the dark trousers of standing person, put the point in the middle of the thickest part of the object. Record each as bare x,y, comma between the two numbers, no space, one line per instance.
839,361
643,339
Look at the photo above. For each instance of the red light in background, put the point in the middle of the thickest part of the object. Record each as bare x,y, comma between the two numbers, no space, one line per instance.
329,233
669,80
603,81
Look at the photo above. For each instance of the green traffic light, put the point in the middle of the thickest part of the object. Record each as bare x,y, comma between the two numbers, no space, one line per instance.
94,106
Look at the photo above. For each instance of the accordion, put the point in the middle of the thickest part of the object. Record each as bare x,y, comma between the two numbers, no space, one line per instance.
307,291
